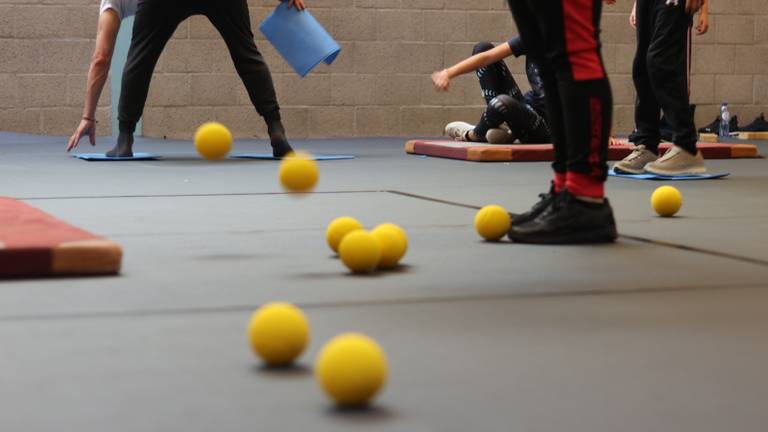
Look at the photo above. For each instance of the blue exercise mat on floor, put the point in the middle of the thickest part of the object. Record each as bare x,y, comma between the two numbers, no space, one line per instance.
299,38
101,157
268,156
649,176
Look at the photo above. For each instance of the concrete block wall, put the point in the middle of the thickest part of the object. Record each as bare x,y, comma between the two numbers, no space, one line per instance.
379,85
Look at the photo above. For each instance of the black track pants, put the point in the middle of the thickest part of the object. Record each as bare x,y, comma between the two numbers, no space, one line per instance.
155,23
660,74
563,37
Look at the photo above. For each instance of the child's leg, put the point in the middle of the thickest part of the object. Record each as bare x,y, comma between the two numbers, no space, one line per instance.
232,20
496,79
524,122
667,64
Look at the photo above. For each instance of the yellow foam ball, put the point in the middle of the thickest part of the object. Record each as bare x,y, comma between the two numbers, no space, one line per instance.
392,246
351,368
360,251
213,141
338,228
666,201
399,230
278,333
492,222
299,172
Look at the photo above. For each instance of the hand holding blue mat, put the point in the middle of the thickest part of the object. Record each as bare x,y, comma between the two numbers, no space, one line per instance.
299,38
649,176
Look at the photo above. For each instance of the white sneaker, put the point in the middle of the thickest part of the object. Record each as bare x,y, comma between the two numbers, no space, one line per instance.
636,161
458,130
677,162
499,136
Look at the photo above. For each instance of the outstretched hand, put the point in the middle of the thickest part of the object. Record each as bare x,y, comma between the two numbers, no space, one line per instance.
86,127
298,4
441,80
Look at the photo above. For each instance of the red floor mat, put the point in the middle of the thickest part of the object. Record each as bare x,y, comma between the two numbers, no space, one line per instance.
543,152
34,243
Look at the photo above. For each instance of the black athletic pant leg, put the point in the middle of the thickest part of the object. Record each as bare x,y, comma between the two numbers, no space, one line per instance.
155,23
496,79
232,19
563,37
661,73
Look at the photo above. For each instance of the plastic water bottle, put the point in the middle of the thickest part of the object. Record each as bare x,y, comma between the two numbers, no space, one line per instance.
725,119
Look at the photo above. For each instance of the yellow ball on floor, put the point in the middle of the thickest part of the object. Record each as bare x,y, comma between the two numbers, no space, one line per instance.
299,172
213,141
492,222
666,201
393,246
360,251
351,368
339,228
399,230
278,333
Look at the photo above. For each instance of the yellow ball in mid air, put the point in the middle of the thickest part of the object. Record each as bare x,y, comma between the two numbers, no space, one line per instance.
393,246
360,251
213,141
339,228
492,222
278,333
299,172
351,368
666,201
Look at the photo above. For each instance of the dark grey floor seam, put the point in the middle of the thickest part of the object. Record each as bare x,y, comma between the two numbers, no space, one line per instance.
234,194
173,312
659,243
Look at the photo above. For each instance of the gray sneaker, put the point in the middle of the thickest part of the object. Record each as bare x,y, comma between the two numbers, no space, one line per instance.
499,136
636,161
677,162
458,130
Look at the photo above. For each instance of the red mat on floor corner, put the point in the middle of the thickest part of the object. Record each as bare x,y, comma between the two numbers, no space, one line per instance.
479,152
34,243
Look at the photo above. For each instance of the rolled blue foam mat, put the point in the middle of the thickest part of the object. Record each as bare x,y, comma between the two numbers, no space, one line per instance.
101,157
299,38
649,176
268,156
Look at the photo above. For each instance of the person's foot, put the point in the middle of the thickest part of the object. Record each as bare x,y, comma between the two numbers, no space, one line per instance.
545,200
459,131
677,162
278,140
499,136
758,125
569,220
123,147
636,161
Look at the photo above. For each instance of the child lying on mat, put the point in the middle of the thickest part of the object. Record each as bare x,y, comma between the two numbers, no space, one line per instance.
524,115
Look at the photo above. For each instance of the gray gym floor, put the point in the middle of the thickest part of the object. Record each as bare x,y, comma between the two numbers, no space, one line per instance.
664,331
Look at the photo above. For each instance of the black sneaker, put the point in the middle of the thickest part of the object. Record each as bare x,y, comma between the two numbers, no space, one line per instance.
545,199
758,125
568,220
714,127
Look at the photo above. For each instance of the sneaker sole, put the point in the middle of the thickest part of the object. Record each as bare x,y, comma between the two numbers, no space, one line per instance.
619,170
696,171
595,236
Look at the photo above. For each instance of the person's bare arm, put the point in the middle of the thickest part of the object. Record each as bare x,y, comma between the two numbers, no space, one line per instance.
693,6
106,35
633,16
703,25
299,4
442,79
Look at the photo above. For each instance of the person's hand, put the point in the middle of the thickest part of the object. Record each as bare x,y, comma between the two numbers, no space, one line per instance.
441,80
87,127
298,4
693,6
633,17
703,24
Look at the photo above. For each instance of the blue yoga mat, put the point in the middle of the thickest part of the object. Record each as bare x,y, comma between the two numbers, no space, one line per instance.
101,157
649,176
299,38
268,156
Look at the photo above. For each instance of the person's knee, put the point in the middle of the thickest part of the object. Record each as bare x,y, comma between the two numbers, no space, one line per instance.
482,47
502,104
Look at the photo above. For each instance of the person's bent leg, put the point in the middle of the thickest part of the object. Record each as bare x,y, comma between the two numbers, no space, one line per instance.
495,79
232,20
524,123
155,22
